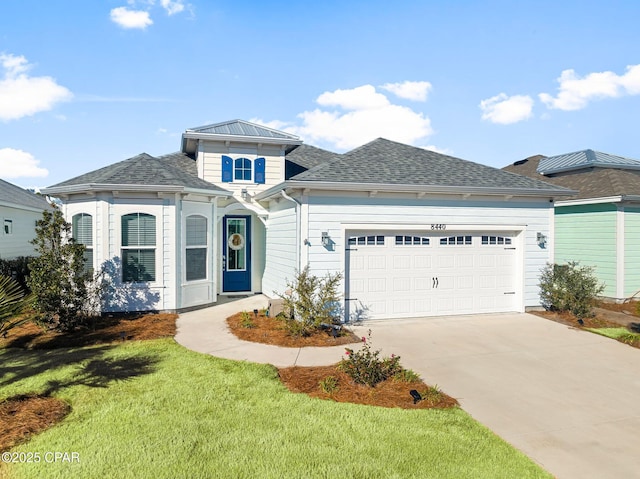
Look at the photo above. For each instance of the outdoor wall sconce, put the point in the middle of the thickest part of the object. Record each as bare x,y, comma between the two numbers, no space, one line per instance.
244,194
542,240
326,239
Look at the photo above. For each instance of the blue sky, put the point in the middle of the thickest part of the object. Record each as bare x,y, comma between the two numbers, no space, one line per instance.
87,83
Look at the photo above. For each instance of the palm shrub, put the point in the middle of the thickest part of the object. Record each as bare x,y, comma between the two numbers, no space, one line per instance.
310,302
13,303
569,287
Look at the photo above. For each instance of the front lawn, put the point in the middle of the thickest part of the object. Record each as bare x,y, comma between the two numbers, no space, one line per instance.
152,409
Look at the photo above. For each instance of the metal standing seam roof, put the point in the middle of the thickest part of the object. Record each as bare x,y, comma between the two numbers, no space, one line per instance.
12,194
584,159
242,128
387,162
175,169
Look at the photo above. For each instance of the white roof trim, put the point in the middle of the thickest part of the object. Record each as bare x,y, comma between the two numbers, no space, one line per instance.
192,135
455,190
91,187
595,201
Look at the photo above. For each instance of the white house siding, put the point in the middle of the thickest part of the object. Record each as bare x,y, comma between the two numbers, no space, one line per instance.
632,251
281,257
331,214
23,222
210,164
107,212
197,292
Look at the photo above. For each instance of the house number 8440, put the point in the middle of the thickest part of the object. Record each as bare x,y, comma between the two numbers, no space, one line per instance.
439,227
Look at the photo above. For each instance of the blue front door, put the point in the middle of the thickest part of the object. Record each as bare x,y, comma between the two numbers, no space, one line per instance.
236,253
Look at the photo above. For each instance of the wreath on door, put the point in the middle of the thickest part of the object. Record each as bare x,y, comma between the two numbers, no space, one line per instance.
235,241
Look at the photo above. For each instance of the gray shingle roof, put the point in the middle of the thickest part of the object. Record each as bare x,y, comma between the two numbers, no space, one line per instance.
584,159
175,169
387,162
10,193
304,157
242,128
589,182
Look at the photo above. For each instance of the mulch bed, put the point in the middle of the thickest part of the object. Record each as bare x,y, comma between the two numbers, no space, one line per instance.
604,318
269,330
23,416
105,330
389,393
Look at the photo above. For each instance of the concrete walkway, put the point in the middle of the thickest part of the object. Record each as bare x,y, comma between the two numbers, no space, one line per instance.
568,399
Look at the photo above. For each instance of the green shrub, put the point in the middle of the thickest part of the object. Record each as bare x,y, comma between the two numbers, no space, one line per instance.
246,321
569,287
60,283
406,376
329,384
16,268
311,301
366,366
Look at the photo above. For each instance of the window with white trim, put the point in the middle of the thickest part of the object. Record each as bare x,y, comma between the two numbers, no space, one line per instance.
242,169
138,247
369,240
82,233
8,227
196,248
495,240
412,240
456,240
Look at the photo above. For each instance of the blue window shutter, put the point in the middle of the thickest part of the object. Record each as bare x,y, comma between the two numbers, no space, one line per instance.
259,170
227,169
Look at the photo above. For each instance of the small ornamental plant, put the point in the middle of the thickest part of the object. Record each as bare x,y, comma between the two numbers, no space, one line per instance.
367,367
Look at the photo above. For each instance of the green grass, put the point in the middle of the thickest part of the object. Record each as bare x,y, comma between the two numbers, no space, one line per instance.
174,413
621,334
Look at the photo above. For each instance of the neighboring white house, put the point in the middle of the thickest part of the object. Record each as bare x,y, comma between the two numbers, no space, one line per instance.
241,207
19,211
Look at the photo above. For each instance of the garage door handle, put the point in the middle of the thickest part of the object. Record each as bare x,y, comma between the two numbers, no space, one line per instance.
435,282
351,249
510,292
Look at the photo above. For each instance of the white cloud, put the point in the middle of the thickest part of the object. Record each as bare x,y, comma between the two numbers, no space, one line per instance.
131,18
444,151
23,95
362,114
410,90
17,163
360,98
172,7
505,109
576,92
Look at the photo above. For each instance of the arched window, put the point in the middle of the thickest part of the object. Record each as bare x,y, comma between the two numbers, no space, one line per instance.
242,169
82,233
196,248
138,247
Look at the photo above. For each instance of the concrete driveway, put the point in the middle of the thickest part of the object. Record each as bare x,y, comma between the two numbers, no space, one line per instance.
568,399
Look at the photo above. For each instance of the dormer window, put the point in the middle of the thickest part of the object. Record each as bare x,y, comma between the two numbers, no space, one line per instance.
243,170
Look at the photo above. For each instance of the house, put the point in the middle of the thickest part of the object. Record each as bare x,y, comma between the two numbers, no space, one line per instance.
599,226
241,207
19,211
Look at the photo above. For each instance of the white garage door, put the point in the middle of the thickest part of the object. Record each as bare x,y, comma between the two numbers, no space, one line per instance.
404,274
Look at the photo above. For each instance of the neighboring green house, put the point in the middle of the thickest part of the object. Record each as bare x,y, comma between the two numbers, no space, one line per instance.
600,225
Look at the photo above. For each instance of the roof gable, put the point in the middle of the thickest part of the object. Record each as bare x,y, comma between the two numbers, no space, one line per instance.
387,162
173,170
585,159
14,195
